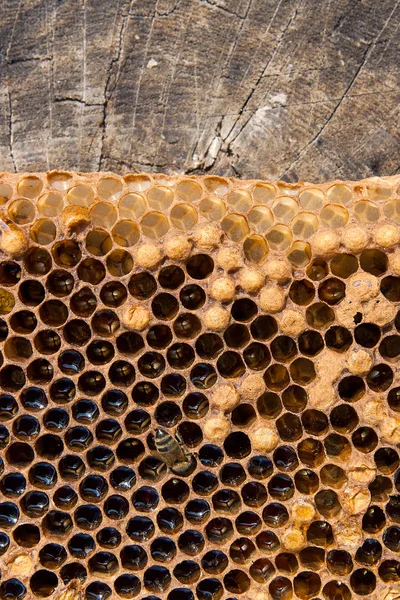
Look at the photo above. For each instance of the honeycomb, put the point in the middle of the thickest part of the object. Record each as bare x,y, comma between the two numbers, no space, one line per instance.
254,328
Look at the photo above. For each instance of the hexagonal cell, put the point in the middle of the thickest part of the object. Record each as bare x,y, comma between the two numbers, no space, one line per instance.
366,211
240,200
98,242
312,199
59,180
288,189
5,193
334,216
340,193
80,195
235,226
7,302
132,206
109,188
21,211
30,187
43,231
279,237
255,248
391,210
119,263
260,219
379,190
212,208
125,233
183,216
50,204
160,197
137,183
304,225
216,185
263,193
299,254
166,180
103,214
285,208
189,190
154,225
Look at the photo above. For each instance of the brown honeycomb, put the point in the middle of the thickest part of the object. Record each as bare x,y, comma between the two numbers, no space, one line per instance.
255,322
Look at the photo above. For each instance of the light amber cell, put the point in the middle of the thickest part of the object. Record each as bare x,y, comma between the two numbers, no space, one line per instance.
288,189
154,225
334,216
216,185
260,219
137,183
125,233
183,216
379,190
212,208
21,211
299,254
59,180
263,193
160,197
391,210
103,214
235,227
285,209
132,206
366,211
160,179
109,188
18,349
98,242
304,225
50,205
189,190
30,187
312,199
7,301
340,194
255,248
240,200
80,195
279,237
5,192
43,231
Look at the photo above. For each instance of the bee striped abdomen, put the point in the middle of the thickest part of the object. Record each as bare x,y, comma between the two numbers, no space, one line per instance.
168,447
172,453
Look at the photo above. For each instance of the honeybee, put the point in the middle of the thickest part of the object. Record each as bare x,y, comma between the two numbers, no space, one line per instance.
173,452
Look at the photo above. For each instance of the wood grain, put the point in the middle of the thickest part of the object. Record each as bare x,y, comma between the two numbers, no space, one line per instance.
292,89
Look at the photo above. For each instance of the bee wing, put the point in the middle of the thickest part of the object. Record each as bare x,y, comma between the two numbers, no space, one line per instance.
174,455
179,439
184,449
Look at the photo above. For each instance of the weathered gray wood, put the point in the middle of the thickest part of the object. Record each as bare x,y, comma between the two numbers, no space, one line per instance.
258,88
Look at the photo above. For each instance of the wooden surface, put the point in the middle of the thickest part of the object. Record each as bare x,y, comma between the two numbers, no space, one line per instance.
255,88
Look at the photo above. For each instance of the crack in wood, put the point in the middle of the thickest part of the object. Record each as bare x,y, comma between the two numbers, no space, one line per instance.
110,89
364,59
205,103
10,130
